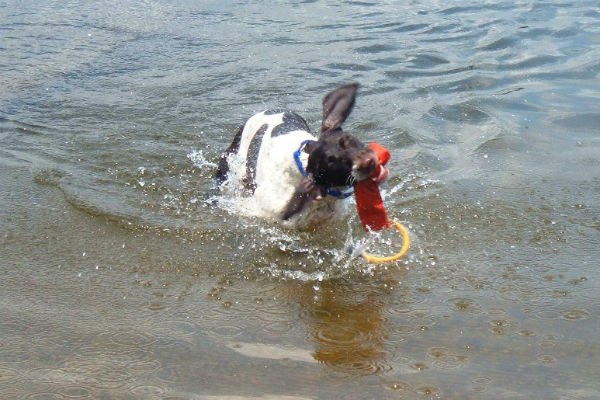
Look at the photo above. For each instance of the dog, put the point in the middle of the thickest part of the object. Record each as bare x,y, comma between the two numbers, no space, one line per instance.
290,175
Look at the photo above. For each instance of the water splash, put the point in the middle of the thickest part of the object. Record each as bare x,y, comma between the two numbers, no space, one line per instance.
200,161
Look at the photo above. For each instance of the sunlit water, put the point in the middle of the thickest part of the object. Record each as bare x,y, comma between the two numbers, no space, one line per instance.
127,273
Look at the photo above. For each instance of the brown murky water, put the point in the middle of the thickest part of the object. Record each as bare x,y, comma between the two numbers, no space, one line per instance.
126,274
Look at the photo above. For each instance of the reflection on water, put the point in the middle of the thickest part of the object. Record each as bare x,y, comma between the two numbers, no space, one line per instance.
346,325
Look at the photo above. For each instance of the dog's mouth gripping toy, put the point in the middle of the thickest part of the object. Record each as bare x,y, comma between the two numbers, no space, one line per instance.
371,210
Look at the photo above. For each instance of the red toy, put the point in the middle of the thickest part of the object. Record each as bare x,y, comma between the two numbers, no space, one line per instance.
369,204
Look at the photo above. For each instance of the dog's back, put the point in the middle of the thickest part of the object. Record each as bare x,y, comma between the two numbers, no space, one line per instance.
260,160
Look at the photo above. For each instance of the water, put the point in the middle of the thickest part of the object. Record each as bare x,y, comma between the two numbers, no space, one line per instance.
127,274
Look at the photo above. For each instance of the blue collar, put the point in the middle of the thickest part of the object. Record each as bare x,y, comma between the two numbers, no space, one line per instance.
331,192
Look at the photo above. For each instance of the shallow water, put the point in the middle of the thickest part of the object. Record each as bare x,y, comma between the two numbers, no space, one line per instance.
126,273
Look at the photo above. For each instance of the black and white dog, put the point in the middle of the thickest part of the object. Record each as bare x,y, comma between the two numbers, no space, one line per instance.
289,174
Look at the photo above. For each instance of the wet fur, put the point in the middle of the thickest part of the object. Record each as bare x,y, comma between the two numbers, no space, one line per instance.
264,148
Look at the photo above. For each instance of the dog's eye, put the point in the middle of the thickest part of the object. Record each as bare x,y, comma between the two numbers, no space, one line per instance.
347,142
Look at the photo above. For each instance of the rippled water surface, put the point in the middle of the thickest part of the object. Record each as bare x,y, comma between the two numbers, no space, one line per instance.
126,273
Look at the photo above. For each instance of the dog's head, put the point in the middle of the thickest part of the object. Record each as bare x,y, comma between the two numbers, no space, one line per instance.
337,159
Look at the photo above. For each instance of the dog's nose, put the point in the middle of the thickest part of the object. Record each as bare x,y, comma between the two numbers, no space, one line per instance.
367,163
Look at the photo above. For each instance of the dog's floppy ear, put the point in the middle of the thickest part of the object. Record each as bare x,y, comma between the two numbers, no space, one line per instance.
337,105
305,192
